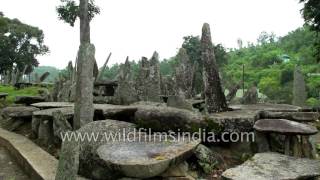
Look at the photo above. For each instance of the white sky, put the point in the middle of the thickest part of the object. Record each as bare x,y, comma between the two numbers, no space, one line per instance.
136,28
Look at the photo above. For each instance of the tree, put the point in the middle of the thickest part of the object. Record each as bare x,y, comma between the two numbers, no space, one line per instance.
311,16
20,44
86,63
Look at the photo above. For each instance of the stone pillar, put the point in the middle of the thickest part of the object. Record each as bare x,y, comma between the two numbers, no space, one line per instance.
153,86
214,96
83,109
184,74
299,89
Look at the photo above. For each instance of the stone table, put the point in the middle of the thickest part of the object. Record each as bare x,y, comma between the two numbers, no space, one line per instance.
290,129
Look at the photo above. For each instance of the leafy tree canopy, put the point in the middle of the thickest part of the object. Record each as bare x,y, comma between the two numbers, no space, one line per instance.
19,44
69,11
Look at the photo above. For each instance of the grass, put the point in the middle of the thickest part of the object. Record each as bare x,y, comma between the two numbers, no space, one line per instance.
12,92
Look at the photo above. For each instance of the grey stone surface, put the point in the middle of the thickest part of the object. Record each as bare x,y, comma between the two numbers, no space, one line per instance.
266,166
179,101
84,86
235,121
266,107
90,164
19,111
284,126
49,105
295,116
125,93
68,165
60,124
214,96
148,81
65,91
145,158
167,118
28,99
251,96
207,159
184,74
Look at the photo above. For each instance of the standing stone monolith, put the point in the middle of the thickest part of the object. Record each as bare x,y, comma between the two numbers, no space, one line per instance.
214,97
299,89
149,80
125,93
141,79
84,86
153,86
184,74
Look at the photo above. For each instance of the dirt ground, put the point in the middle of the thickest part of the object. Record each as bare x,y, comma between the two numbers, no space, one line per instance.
9,170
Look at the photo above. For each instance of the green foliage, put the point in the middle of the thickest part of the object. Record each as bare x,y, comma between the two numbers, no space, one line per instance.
12,92
69,11
19,44
313,102
311,16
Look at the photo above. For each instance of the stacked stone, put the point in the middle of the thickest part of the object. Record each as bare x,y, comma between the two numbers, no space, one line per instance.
184,74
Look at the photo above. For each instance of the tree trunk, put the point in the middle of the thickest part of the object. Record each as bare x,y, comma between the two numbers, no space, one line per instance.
84,22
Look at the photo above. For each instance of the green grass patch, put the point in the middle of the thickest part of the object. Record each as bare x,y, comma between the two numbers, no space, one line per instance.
12,92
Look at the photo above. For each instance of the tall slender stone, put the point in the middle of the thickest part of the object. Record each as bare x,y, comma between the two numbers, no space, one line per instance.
184,74
153,87
125,94
214,96
84,86
141,79
299,88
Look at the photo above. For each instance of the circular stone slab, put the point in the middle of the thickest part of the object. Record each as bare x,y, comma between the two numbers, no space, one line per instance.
145,159
47,105
284,126
19,111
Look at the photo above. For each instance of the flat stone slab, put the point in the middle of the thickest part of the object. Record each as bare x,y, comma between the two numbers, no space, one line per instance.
145,159
47,105
19,111
284,126
236,121
295,116
266,107
3,95
48,113
266,166
28,99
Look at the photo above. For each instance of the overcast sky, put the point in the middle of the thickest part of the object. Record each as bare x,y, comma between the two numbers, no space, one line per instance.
136,28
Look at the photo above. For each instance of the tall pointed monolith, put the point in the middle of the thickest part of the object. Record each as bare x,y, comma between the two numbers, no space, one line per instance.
214,96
